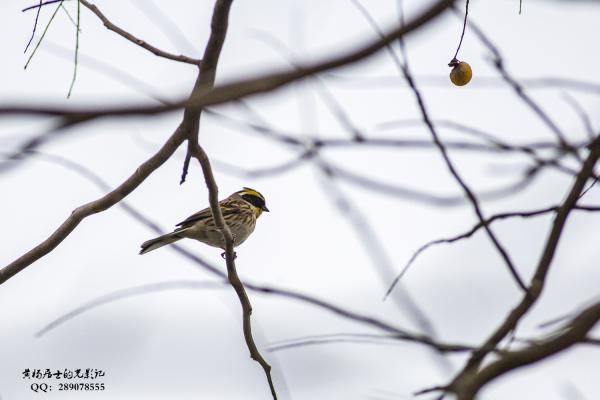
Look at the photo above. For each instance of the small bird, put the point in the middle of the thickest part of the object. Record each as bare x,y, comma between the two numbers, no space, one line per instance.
240,211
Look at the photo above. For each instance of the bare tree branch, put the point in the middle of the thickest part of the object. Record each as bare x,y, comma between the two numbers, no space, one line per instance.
188,129
219,24
374,248
41,4
493,143
519,90
585,118
501,351
361,225
142,219
477,227
154,50
37,16
105,202
368,338
393,332
576,332
234,280
404,69
537,283
242,88
126,293
208,69
163,22
86,173
96,206
422,196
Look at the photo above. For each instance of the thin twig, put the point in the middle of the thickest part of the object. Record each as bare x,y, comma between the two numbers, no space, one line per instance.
111,71
338,111
156,51
62,6
462,35
430,390
37,15
373,246
583,193
360,338
585,118
410,194
76,48
163,22
126,293
42,4
262,172
476,228
498,62
43,34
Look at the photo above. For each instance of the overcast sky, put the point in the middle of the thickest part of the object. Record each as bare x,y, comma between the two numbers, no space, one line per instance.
188,343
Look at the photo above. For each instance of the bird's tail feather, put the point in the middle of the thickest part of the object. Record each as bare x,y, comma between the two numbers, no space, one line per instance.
160,241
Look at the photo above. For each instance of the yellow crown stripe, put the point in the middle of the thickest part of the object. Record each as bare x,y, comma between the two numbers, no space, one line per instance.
251,192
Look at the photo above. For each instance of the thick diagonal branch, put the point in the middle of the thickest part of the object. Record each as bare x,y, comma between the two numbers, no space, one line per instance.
96,206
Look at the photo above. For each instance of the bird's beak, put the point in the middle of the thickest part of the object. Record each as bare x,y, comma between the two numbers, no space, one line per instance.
265,209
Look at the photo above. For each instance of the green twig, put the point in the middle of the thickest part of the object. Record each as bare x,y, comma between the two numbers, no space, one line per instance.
68,15
76,48
42,37
520,6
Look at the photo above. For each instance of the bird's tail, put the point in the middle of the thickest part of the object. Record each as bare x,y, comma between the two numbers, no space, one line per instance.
160,241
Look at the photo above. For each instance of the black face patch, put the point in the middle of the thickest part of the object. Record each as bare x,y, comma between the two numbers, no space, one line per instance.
254,200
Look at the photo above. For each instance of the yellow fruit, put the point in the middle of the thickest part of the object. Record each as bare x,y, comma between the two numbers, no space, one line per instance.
461,73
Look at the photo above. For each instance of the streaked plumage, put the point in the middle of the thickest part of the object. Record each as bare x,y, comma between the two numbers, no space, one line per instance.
240,211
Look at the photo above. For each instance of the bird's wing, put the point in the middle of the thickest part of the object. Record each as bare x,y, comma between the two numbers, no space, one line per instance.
206,215
199,216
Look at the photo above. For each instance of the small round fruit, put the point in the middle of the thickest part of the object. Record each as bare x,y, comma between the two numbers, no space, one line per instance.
461,74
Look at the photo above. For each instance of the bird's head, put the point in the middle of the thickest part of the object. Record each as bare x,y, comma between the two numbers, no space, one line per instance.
256,199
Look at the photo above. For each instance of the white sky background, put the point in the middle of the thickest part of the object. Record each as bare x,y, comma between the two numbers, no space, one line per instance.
188,344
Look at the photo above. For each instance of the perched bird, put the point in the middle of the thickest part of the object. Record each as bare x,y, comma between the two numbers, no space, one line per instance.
240,211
